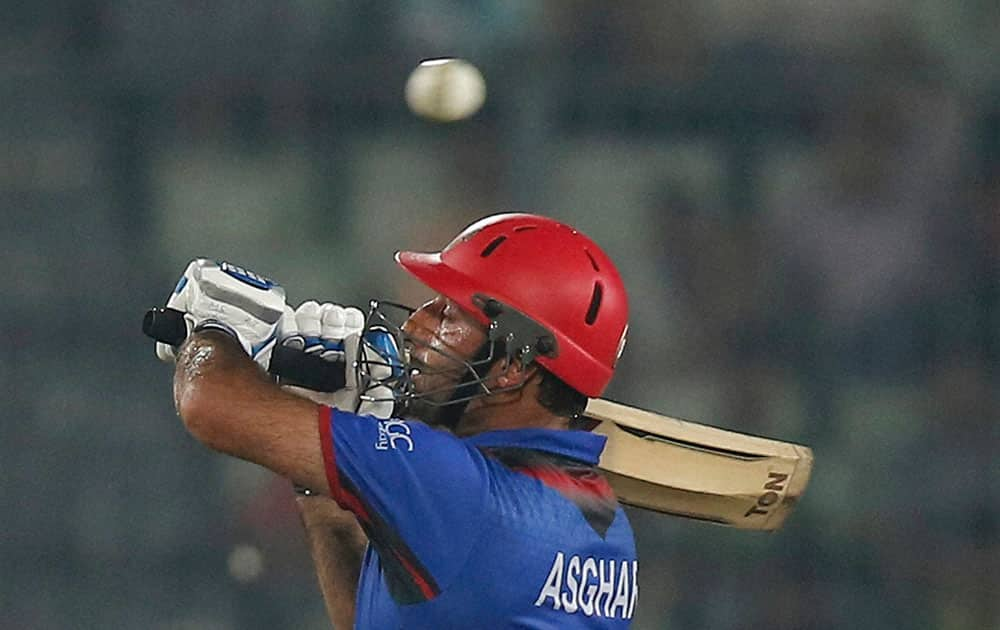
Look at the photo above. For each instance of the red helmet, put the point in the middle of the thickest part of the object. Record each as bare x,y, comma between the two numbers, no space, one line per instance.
546,271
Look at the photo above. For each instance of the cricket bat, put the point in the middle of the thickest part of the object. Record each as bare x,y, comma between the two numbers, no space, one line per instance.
697,471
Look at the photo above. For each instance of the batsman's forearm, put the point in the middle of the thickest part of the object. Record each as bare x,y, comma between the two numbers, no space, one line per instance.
337,545
229,404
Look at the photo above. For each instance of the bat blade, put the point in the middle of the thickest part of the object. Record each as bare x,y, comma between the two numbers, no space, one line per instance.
696,471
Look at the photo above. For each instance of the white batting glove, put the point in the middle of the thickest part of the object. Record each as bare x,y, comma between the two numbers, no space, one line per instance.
333,333
232,299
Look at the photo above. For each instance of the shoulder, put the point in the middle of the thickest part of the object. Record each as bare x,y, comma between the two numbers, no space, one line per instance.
559,484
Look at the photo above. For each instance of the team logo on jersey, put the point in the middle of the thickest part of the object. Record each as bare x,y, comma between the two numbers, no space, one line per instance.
395,435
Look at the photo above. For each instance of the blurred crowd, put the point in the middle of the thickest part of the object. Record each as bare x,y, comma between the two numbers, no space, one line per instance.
803,199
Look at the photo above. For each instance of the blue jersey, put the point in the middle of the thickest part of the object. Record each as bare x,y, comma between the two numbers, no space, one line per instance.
505,529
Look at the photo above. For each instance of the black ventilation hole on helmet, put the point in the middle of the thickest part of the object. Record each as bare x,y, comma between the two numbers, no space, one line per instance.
593,263
595,304
525,228
492,246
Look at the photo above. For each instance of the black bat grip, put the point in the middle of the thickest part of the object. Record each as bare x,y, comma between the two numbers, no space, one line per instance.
293,366
165,325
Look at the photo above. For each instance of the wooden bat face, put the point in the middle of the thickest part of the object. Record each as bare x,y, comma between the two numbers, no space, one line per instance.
696,471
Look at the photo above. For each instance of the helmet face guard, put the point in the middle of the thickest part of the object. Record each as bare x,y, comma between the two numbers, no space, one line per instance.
384,363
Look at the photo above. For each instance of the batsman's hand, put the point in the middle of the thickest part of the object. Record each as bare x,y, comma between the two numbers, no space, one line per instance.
226,297
333,333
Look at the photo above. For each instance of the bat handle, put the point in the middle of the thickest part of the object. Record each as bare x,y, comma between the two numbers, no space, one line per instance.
294,367
165,325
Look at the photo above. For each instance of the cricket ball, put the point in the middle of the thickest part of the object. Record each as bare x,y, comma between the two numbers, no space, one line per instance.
445,90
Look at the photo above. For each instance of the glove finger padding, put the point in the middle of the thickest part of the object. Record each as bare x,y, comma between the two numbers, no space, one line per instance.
307,316
333,332
375,367
288,330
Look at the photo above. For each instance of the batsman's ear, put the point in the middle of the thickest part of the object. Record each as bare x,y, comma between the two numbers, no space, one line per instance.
513,373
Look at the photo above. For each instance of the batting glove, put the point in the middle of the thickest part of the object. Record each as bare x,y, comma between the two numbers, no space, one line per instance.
334,333
223,296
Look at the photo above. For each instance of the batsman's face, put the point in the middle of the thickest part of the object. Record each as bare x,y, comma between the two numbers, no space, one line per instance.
441,332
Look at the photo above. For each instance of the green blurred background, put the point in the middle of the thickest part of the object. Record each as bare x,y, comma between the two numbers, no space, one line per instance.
802,198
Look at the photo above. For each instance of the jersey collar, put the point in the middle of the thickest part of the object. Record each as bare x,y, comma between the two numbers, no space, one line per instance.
580,445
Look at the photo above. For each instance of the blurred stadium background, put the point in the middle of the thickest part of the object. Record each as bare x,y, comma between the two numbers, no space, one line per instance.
802,197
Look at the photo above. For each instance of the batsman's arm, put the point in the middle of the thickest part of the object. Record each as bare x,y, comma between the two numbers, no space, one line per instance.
337,544
229,404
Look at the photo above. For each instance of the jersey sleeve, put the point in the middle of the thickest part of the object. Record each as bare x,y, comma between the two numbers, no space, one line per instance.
418,492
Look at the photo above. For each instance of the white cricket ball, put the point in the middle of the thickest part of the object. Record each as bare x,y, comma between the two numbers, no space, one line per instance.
445,90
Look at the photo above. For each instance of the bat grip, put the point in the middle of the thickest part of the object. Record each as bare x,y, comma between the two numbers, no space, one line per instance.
165,325
293,367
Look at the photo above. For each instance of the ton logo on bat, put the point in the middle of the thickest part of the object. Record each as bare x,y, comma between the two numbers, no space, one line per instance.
774,486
